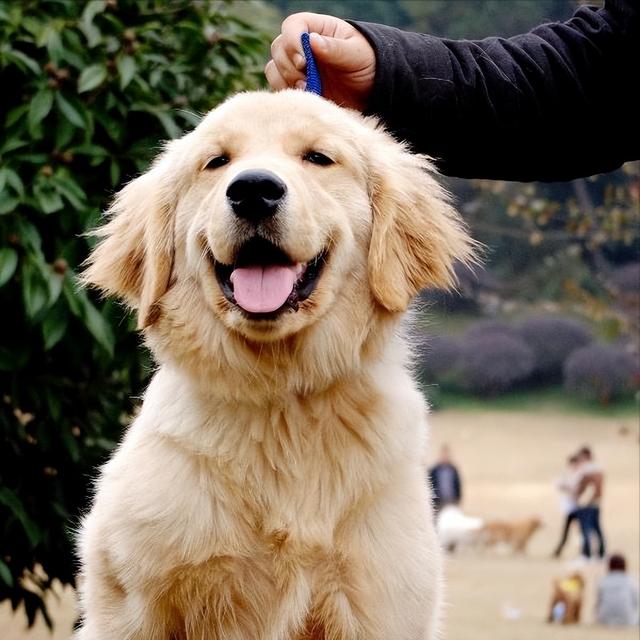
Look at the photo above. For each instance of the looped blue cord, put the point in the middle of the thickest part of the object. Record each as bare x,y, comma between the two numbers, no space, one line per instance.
313,76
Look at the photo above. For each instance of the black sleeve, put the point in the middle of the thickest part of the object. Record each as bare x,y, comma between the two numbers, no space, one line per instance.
557,103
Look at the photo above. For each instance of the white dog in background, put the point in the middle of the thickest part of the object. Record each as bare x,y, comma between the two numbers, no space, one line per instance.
271,487
457,529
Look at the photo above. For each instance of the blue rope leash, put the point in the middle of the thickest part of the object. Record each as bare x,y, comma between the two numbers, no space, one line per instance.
313,76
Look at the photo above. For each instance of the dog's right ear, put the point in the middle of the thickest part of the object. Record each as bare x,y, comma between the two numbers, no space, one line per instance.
134,259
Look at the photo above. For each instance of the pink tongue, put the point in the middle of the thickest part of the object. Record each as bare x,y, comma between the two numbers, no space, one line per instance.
263,289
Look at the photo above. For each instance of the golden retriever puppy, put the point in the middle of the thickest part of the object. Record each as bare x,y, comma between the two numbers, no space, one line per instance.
272,485
515,534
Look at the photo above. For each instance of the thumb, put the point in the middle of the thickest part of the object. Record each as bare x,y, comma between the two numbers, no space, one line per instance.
338,53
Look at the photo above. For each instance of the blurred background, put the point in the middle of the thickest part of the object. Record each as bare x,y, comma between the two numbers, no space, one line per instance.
534,357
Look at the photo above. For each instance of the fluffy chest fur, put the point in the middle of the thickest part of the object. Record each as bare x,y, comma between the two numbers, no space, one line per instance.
249,507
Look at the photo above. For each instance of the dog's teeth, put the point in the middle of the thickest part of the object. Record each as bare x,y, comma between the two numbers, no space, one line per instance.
292,301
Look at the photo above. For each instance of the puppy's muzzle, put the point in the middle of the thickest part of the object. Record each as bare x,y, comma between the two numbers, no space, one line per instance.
255,195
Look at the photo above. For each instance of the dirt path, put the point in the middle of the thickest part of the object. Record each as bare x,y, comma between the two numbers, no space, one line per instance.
509,461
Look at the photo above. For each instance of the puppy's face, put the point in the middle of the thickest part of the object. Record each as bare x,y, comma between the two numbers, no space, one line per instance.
277,205
279,213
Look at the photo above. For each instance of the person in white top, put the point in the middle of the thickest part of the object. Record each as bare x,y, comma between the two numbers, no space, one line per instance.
567,485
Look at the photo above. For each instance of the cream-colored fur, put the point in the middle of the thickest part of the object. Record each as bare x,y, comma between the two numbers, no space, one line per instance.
272,486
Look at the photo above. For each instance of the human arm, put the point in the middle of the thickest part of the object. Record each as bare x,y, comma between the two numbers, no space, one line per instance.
556,103
457,485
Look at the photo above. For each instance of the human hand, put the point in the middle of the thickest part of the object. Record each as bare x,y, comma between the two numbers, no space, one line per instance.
344,57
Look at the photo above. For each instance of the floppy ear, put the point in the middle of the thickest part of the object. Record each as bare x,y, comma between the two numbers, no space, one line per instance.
134,259
417,235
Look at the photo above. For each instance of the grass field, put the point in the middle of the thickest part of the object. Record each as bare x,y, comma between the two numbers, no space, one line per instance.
508,459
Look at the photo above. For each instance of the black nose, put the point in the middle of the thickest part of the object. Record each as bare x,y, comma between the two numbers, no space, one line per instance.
255,195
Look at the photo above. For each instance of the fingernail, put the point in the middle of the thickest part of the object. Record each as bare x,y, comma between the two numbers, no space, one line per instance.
301,84
299,62
317,40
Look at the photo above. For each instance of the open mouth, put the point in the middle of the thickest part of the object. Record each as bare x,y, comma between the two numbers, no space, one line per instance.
263,281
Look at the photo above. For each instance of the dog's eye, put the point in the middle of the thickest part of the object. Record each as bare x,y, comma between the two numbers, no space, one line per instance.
315,157
217,162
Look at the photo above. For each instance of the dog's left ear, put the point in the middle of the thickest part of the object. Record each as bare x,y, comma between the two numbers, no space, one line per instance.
417,236
134,258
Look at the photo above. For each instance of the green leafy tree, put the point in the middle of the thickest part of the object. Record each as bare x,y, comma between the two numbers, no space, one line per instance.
89,90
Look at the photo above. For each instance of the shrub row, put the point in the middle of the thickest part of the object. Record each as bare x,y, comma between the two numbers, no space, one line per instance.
492,357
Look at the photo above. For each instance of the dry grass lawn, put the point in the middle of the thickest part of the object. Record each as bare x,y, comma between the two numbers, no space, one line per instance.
509,461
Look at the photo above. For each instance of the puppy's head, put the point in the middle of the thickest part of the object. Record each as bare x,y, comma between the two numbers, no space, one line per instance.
279,214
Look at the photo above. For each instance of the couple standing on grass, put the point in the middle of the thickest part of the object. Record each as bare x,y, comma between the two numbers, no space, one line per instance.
581,488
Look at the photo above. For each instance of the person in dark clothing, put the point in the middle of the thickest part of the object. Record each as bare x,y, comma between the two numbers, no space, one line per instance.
588,495
445,481
567,485
557,103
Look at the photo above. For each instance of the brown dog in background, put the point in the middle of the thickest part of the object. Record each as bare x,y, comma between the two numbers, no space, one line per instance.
514,533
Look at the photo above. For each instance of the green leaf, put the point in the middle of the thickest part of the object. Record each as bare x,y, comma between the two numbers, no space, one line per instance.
39,107
64,132
126,66
8,204
54,326
11,500
5,573
54,405
8,264
47,198
69,190
93,76
92,150
14,180
164,116
114,172
35,291
54,281
14,115
91,32
99,328
82,308
30,237
169,124
54,44
71,443
69,111
22,60
12,144
92,9
33,158
73,47
72,294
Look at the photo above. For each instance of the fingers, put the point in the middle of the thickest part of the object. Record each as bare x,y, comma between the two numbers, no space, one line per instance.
277,81
287,65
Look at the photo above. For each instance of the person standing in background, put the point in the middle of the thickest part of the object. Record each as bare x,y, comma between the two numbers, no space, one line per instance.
588,497
445,481
567,486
